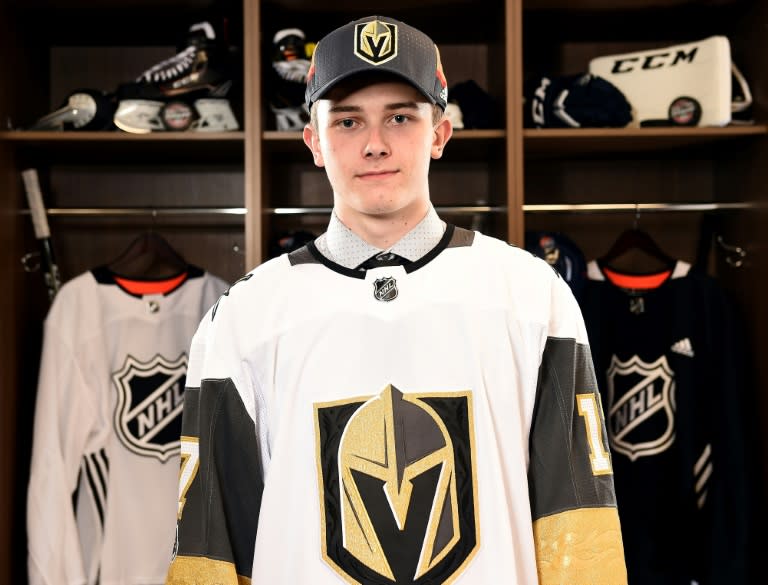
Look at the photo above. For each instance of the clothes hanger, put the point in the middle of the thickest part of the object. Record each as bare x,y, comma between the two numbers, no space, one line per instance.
635,251
149,257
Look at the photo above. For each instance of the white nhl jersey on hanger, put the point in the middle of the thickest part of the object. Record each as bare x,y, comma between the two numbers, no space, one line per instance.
105,455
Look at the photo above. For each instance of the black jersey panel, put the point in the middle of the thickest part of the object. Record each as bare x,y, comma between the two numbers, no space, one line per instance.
219,512
568,443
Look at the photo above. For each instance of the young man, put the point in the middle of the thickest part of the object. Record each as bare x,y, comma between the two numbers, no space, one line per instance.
401,401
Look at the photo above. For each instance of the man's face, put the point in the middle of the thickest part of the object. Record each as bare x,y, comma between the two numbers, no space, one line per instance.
376,142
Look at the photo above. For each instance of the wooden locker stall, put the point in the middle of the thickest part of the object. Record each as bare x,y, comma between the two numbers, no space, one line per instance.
470,183
698,191
102,188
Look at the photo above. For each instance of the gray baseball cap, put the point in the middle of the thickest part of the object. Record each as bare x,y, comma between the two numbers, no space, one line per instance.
377,44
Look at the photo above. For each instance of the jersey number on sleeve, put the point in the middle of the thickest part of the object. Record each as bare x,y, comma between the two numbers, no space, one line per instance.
598,454
190,462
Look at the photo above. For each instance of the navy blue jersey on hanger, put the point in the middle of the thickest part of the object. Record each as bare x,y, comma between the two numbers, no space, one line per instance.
670,363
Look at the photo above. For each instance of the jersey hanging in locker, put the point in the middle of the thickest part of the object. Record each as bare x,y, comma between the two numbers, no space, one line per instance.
107,427
671,362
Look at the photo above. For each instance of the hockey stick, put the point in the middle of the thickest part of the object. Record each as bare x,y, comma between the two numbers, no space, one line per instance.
42,231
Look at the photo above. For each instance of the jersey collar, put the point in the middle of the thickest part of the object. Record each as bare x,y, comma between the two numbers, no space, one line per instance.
342,246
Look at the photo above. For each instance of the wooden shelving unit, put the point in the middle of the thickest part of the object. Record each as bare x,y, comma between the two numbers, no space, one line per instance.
580,141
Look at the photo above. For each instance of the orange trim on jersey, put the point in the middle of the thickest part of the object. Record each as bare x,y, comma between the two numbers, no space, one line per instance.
637,281
151,287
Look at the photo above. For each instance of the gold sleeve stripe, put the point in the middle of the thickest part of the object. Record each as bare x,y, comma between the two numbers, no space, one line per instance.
202,571
580,547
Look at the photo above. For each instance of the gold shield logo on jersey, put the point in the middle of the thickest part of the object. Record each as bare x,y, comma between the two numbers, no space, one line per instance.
398,489
641,409
376,41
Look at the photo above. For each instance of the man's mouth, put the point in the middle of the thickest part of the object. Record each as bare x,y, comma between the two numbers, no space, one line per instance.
373,175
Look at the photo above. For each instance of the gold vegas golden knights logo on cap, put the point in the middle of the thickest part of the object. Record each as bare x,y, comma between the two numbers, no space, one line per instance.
376,41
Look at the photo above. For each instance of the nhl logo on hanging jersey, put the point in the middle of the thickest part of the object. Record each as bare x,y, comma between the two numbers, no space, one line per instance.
398,488
149,405
641,406
385,289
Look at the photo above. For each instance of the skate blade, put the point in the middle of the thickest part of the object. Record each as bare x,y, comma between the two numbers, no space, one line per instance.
139,116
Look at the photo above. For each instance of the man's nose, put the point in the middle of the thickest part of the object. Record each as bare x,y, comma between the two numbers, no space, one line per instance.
376,146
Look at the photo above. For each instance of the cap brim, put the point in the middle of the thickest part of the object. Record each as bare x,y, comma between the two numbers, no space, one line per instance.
319,94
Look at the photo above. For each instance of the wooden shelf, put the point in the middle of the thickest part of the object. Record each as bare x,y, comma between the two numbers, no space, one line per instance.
366,6
539,143
74,146
53,137
545,142
479,134
125,4
611,5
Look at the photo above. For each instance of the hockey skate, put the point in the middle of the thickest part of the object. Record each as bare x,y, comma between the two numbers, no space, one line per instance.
185,92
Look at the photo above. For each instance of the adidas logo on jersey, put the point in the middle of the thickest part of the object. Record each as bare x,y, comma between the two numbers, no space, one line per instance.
683,347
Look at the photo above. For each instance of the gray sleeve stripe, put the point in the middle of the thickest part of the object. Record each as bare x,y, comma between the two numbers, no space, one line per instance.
302,256
461,237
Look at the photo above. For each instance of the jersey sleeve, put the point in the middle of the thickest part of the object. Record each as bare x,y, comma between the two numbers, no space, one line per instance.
221,479
570,477
64,415
724,488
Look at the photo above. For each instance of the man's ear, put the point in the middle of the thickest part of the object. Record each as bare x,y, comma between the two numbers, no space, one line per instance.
442,134
312,140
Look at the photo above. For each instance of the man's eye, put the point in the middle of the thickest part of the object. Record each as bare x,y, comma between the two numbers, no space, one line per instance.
399,118
347,123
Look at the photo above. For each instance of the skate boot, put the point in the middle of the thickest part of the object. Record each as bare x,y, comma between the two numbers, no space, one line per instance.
186,92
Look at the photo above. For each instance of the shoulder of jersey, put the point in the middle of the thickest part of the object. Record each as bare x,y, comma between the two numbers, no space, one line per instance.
217,282
73,292
517,258
265,273
247,289
76,306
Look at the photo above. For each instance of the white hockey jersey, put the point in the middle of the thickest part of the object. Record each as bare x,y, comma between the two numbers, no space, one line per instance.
433,422
105,454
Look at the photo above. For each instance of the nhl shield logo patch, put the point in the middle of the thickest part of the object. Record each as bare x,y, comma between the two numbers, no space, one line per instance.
149,405
376,42
398,489
641,406
385,289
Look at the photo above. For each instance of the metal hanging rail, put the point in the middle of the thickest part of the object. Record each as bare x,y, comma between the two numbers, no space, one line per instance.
143,211
447,209
636,207
158,211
